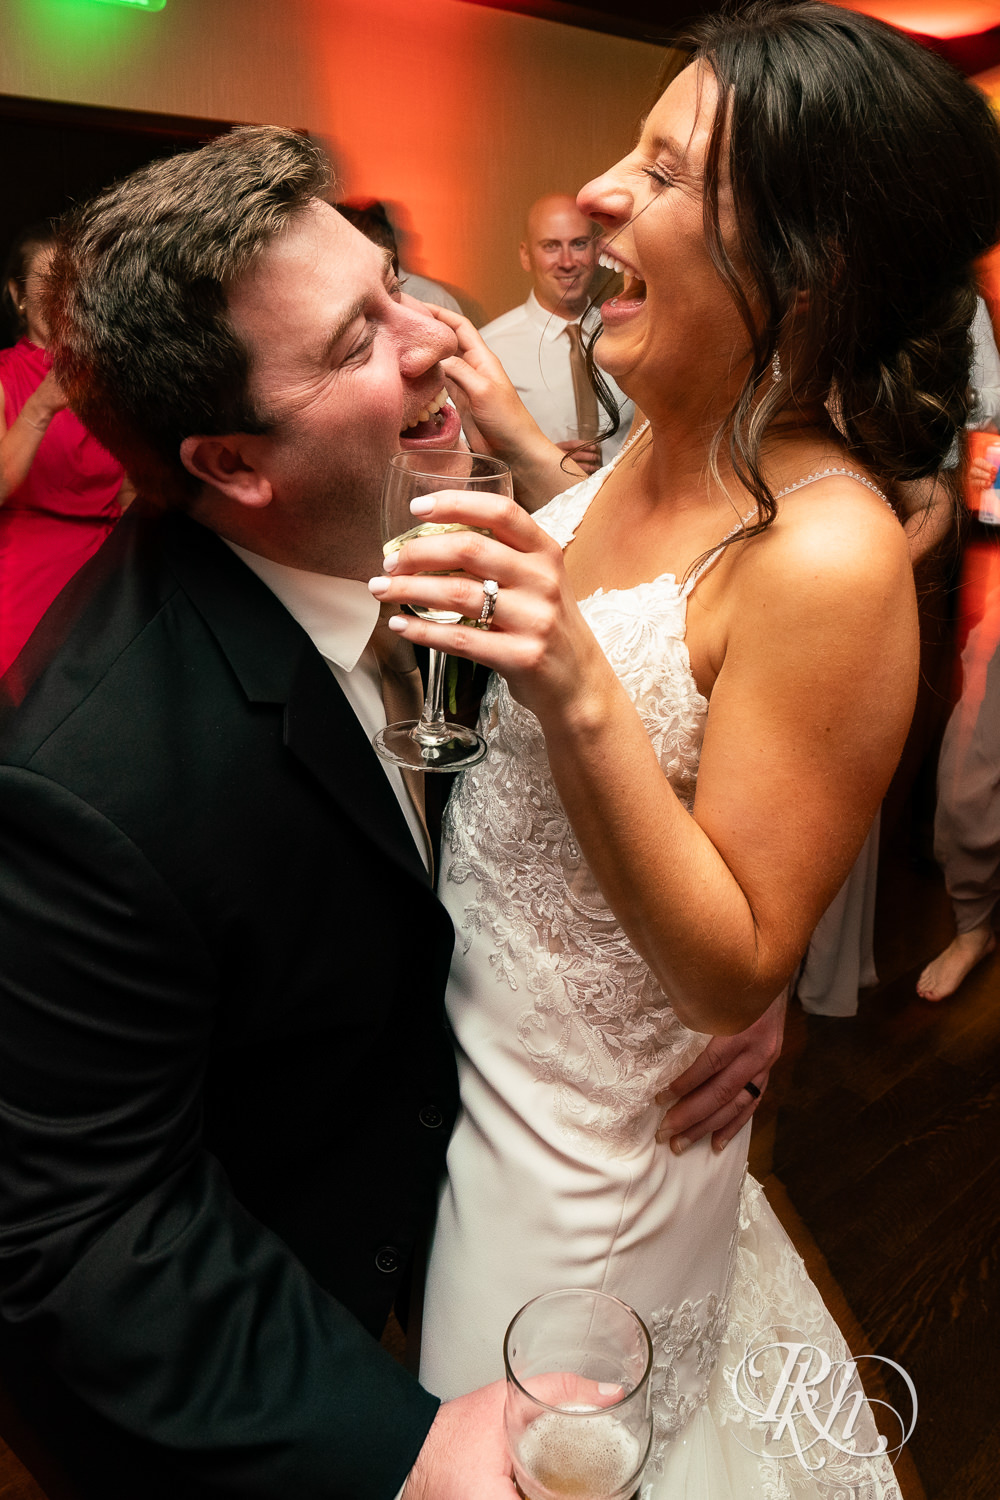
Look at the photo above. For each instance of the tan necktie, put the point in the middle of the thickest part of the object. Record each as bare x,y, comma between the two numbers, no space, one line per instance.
583,391
403,696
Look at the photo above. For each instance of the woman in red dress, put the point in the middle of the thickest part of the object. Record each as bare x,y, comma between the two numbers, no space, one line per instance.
60,491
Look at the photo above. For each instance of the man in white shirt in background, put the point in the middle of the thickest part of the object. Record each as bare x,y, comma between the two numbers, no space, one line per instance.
540,343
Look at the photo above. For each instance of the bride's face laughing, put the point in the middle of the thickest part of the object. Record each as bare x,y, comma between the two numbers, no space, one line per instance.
674,329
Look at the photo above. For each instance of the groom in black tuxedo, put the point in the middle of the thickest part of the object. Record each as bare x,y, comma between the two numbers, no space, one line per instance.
226,1085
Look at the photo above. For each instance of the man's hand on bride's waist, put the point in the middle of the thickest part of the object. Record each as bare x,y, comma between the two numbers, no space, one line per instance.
713,1093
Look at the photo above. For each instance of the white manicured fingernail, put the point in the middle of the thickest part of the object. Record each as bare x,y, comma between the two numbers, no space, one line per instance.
378,586
422,506
396,622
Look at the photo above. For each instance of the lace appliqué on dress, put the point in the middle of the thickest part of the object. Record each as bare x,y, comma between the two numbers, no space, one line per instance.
599,1028
698,1349
772,1297
686,1343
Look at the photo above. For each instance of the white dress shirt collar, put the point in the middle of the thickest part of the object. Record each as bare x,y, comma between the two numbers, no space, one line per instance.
337,614
550,325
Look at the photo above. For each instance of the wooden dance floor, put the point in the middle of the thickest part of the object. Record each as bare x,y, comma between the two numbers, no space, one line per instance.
879,1145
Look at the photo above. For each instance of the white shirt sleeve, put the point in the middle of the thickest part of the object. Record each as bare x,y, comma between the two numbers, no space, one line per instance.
985,371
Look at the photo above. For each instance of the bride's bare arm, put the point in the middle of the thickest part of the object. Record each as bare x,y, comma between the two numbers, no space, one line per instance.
808,714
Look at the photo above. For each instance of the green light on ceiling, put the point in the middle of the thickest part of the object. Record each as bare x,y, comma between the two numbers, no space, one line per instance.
137,4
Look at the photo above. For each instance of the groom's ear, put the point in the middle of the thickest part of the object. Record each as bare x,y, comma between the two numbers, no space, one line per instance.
228,464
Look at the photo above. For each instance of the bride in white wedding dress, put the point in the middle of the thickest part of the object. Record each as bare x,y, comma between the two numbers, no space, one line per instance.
564,1038
705,663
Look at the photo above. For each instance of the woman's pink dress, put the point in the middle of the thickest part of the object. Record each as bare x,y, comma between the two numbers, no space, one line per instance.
59,516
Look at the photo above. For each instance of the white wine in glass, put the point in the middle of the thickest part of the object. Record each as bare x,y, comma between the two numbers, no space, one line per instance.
431,743
430,528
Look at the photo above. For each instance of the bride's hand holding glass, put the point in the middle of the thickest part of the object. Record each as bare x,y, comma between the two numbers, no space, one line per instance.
536,636
432,743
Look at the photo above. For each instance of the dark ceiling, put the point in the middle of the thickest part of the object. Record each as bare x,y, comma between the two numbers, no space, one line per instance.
657,21
662,21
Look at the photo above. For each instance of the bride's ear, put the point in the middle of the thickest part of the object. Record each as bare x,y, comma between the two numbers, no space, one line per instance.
227,464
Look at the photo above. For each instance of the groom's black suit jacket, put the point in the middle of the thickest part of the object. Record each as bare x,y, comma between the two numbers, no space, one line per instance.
225,1080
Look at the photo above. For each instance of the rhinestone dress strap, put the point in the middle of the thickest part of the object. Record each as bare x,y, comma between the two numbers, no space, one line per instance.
629,442
798,484
751,515
713,557
825,474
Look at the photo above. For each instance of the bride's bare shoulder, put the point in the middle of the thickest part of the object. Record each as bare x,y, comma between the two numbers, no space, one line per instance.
833,536
826,594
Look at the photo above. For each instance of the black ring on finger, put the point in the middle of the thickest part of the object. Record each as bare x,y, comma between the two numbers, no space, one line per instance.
752,1090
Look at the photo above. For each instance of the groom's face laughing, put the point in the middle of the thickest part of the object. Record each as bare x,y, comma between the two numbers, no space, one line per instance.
345,369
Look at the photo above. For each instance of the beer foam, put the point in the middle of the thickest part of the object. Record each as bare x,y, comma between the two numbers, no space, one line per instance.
591,1459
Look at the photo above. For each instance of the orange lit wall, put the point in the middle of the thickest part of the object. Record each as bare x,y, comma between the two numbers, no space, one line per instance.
465,115
943,18
460,113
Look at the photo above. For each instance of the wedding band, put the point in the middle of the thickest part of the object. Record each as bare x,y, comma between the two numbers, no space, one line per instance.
490,591
752,1090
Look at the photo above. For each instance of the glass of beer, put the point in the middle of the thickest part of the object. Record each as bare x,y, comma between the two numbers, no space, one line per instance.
577,1416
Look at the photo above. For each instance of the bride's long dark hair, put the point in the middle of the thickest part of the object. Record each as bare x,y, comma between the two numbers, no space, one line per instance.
865,176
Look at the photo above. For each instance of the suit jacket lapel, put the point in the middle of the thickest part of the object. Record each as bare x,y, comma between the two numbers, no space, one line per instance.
322,729
275,662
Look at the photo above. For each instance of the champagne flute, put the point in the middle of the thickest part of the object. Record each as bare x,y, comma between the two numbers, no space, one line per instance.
431,743
578,1413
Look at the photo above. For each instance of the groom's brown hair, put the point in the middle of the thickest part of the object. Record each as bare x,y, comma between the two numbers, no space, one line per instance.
136,302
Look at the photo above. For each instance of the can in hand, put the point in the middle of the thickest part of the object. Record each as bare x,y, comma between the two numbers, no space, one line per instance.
988,504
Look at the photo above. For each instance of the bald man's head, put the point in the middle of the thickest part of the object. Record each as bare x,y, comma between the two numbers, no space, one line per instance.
558,253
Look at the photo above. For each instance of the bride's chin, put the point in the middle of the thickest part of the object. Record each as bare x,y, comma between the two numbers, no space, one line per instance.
622,373
611,358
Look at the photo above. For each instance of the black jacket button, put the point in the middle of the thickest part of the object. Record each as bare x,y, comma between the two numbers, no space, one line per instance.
431,1116
387,1259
